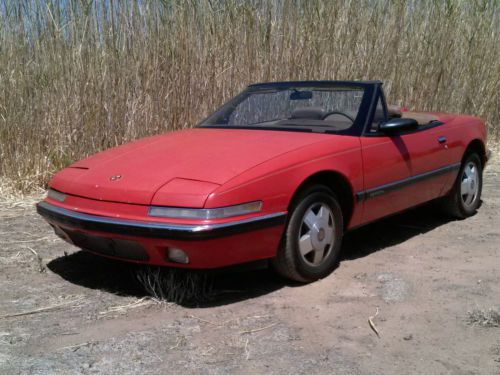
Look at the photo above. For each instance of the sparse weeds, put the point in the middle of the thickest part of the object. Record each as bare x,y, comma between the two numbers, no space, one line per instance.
185,287
484,318
495,350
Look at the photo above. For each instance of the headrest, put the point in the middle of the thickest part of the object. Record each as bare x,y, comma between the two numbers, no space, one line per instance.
315,113
394,110
422,118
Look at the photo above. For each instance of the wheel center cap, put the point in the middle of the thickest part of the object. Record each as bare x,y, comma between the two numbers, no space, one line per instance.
321,234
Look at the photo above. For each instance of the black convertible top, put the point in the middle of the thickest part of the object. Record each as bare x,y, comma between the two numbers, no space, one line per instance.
284,84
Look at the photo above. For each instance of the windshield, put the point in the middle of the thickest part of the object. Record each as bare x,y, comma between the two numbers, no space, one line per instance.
320,108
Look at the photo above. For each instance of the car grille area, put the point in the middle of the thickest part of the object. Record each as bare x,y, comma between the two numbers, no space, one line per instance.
114,247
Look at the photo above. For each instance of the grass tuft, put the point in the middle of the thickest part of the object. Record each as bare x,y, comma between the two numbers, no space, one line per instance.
484,318
184,287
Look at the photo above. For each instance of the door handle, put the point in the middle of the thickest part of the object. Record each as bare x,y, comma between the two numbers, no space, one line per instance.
442,139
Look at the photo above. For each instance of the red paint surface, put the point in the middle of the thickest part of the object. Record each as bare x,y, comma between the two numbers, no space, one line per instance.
220,167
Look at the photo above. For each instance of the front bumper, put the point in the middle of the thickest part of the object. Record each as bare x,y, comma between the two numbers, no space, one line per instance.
207,245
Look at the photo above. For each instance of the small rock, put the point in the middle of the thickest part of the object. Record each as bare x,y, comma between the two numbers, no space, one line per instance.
408,337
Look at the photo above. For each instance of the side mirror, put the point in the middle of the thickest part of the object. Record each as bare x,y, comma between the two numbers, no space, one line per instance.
396,125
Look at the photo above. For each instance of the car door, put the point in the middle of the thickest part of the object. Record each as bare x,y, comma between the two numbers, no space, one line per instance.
401,170
431,158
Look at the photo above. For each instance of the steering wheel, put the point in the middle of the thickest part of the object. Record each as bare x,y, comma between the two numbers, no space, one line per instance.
337,113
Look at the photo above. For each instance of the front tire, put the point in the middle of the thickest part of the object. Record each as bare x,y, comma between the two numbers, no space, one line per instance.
464,198
312,241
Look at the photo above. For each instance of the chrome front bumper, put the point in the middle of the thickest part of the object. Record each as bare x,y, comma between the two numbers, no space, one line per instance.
77,220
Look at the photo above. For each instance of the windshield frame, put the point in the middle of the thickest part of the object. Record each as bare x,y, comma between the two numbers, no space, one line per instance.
369,88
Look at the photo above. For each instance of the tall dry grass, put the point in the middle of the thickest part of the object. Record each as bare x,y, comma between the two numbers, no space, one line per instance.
80,76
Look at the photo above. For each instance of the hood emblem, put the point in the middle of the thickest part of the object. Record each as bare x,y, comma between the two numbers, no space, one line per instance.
115,177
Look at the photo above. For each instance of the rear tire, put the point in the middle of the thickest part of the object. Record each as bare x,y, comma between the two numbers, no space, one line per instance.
312,241
464,198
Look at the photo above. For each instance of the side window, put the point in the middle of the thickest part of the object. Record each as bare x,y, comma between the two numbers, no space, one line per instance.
378,117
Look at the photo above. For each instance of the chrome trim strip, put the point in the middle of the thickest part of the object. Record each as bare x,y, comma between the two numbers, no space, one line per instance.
383,189
153,229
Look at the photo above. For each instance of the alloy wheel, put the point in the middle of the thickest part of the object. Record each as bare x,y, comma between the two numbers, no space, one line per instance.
316,235
470,184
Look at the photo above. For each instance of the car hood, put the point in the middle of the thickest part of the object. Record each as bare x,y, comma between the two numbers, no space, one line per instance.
190,163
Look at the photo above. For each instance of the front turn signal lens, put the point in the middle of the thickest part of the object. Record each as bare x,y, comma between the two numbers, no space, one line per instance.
206,213
57,195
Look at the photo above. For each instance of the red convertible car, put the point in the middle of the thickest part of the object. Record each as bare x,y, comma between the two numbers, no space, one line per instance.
279,172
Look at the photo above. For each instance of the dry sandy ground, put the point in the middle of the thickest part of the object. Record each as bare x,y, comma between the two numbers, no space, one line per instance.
422,272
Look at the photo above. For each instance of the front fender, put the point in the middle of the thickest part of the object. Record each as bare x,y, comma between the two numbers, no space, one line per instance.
276,181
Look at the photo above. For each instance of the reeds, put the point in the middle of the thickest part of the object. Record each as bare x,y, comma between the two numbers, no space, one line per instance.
77,77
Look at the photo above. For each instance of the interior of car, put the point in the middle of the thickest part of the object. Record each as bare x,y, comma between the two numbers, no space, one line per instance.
422,118
316,116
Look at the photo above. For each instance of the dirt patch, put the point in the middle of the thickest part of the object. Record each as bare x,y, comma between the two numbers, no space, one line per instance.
427,278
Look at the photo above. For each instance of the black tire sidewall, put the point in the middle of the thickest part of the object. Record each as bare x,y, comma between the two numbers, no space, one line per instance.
314,195
469,210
